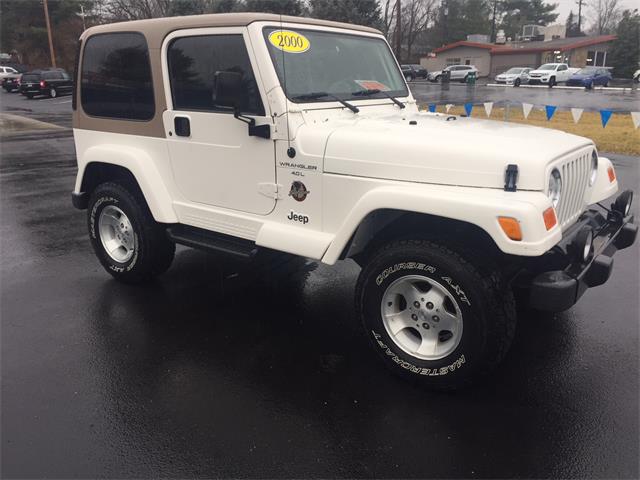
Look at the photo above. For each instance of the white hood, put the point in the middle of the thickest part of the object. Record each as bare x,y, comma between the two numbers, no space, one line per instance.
465,151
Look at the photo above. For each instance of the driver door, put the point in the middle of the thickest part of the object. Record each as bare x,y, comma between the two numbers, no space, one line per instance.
214,160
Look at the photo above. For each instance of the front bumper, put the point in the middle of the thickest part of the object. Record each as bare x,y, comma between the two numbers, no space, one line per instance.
561,286
538,80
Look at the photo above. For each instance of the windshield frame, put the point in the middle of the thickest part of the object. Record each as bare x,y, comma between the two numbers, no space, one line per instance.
405,93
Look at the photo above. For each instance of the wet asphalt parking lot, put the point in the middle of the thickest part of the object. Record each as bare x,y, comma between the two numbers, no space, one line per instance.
199,375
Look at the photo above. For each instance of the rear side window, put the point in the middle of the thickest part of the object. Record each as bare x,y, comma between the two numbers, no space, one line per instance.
193,62
33,77
116,77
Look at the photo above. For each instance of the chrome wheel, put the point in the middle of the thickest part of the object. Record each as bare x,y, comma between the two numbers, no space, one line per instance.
116,234
421,317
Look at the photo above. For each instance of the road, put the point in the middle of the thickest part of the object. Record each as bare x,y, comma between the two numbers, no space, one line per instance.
198,376
456,93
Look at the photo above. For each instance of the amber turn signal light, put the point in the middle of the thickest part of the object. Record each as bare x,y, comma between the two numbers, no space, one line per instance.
612,174
511,227
550,219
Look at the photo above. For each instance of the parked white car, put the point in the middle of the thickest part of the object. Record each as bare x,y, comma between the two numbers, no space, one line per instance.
456,73
214,145
514,76
551,74
8,72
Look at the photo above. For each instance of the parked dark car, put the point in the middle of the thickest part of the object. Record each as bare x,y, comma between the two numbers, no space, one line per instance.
51,83
11,82
411,72
590,76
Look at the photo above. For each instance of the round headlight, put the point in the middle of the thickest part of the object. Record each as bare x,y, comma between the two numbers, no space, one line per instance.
555,187
594,168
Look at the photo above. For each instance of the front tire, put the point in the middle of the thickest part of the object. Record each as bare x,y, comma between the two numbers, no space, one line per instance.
130,244
434,317
517,82
552,82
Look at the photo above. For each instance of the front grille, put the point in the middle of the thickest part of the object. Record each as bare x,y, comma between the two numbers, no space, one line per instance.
575,179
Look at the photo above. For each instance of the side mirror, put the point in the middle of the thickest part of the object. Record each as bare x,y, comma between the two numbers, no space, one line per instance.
227,91
227,87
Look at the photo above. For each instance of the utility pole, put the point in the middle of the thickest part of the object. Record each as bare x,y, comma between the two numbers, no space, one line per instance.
579,3
398,29
82,14
46,17
493,21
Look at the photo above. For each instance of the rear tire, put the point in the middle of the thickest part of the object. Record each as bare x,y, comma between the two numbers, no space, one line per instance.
409,78
29,96
53,93
130,244
457,325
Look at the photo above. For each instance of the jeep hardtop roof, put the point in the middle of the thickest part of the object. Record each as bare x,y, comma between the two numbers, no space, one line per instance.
156,29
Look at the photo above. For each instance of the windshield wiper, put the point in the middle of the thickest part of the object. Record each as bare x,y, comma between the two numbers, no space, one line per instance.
373,91
316,95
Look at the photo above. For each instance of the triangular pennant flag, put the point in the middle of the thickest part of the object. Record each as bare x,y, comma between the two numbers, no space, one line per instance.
605,115
635,118
432,107
448,107
488,106
467,108
550,109
576,113
526,109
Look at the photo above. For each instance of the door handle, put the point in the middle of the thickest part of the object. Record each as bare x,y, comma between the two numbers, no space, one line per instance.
182,126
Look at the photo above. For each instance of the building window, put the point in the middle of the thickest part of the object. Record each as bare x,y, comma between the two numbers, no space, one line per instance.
193,63
596,58
453,61
116,77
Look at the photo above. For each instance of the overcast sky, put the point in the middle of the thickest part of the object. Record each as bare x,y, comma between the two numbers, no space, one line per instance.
565,6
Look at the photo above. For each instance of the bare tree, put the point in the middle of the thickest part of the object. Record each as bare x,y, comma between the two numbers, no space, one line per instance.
388,16
417,16
605,14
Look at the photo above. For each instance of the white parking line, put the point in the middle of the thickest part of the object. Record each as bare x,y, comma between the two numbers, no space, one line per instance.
64,101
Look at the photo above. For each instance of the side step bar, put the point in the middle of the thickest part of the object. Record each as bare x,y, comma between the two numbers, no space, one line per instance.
212,241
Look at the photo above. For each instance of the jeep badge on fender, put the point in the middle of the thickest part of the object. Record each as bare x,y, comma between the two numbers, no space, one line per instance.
445,218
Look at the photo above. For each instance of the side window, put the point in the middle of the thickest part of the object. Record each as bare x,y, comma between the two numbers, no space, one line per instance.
116,77
193,62
561,68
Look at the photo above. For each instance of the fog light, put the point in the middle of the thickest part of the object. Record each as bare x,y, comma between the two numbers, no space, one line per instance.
584,244
622,204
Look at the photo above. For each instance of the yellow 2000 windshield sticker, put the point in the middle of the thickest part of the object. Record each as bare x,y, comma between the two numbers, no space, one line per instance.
288,41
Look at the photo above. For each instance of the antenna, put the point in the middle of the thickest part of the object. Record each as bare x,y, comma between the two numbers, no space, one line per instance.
291,152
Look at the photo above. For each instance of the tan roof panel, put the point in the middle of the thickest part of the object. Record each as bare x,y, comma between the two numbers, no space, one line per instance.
157,28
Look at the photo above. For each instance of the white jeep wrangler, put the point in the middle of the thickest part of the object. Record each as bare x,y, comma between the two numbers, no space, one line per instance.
244,133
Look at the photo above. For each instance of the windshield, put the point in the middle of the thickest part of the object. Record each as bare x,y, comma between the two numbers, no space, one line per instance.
335,64
587,71
548,66
514,70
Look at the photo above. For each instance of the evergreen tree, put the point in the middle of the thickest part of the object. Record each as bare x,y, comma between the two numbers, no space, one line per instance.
572,26
518,13
358,12
625,51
